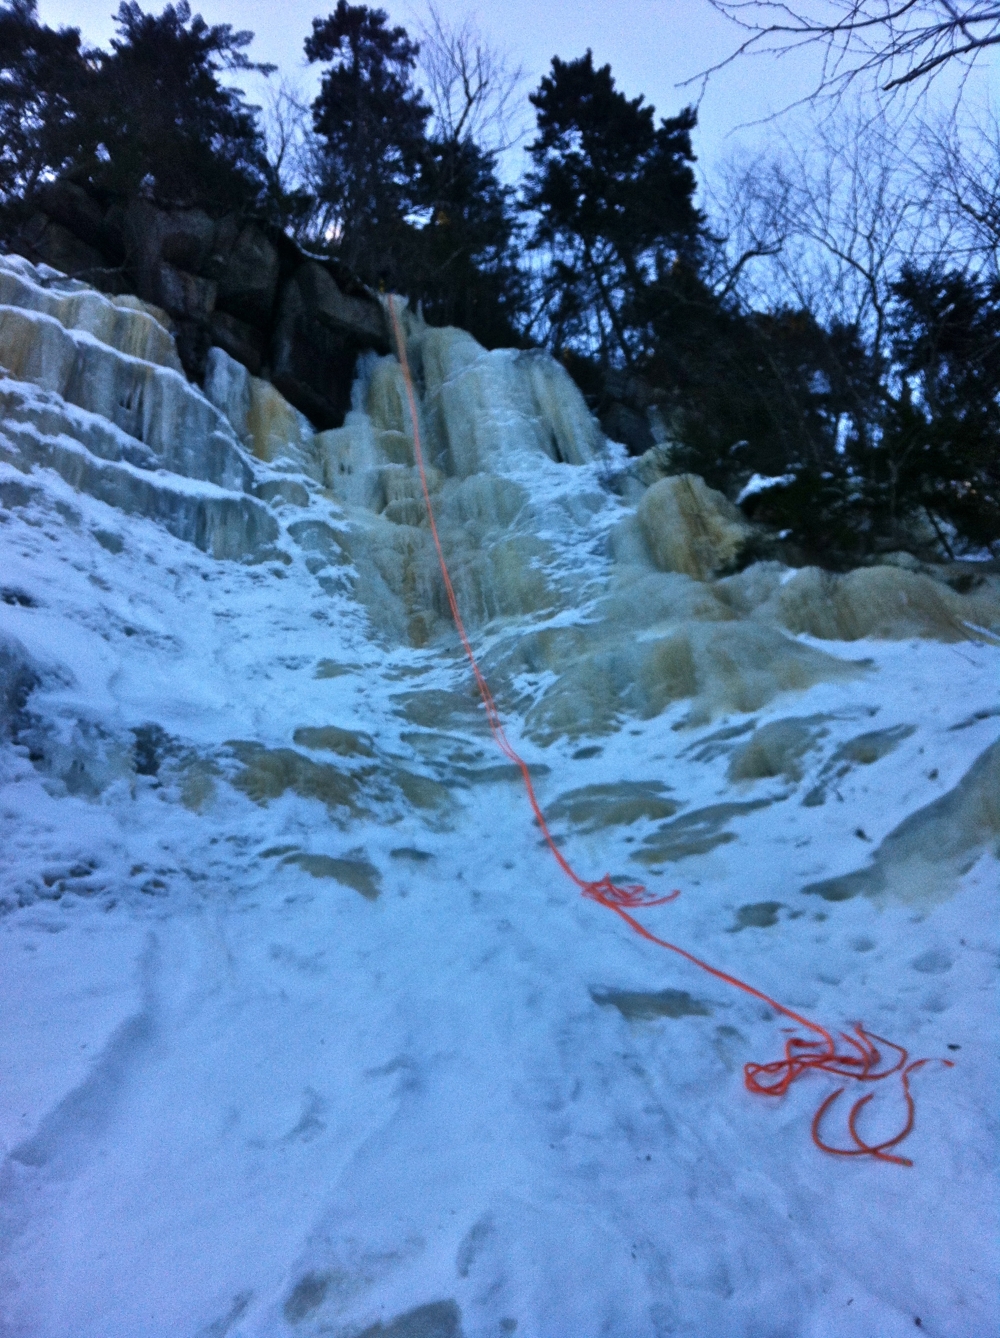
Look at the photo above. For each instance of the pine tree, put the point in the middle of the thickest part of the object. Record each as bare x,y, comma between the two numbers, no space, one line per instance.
148,117
612,194
167,127
45,75
940,449
371,120
467,271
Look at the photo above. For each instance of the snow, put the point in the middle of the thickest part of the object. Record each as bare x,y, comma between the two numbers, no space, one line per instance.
758,483
449,1095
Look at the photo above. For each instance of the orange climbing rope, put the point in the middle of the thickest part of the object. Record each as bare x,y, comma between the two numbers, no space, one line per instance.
857,1058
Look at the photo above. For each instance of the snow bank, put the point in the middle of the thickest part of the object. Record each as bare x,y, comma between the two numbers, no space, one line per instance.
922,859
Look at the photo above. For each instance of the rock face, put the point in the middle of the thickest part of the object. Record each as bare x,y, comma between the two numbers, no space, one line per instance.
630,410
229,283
318,334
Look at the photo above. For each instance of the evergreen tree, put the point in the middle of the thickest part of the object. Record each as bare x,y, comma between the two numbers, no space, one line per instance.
940,449
467,272
371,120
148,117
797,403
44,79
613,198
167,127
918,466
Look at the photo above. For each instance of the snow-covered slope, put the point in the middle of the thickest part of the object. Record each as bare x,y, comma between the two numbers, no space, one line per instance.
303,1031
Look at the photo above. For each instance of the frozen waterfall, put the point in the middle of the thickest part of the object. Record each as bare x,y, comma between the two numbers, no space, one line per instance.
301,1030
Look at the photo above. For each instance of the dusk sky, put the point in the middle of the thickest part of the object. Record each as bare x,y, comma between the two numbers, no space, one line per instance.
651,45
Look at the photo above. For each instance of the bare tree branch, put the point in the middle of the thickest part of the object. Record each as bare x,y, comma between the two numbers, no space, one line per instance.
826,227
296,157
962,168
471,85
899,43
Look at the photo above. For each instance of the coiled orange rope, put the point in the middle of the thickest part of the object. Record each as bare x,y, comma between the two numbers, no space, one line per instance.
858,1058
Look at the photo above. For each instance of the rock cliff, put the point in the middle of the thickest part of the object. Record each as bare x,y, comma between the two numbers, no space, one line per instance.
230,283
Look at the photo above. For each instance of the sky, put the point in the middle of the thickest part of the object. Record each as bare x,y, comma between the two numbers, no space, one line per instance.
653,47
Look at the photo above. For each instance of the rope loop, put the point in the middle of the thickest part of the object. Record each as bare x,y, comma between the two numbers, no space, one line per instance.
632,895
